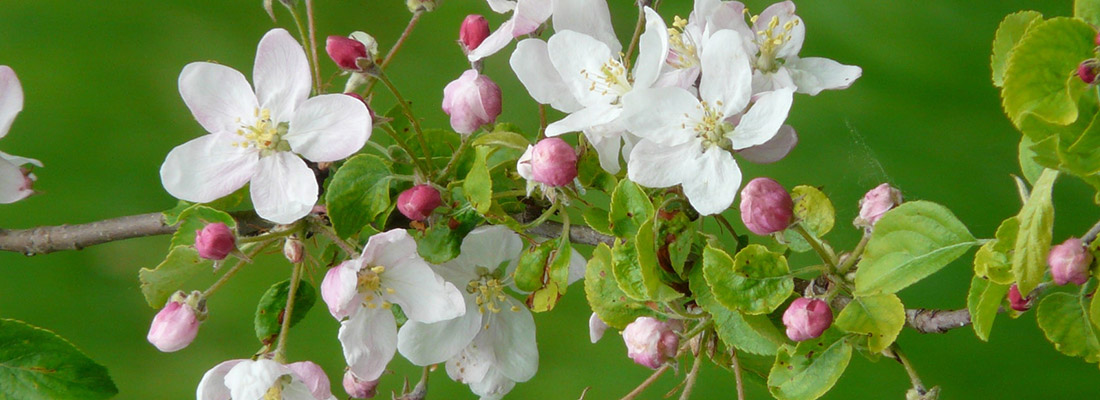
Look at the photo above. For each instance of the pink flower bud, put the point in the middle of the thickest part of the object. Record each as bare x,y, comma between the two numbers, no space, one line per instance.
314,377
1097,39
1069,262
596,328
359,389
553,162
1016,300
650,342
176,325
294,250
215,241
474,30
766,207
875,203
1087,71
472,100
418,202
807,318
345,52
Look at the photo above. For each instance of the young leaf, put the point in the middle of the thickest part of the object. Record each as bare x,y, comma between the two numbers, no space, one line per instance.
544,299
603,293
1064,319
809,370
1039,80
443,240
984,299
1087,10
40,365
532,265
558,267
1011,30
505,139
880,317
636,272
1027,157
756,281
272,307
993,260
1029,259
478,185
597,219
908,244
592,175
359,191
193,219
755,334
814,211
630,207
181,264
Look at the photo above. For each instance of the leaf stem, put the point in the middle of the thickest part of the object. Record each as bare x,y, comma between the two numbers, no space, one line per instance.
454,158
327,232
542,218
648,381
542,120
404,146
396,46
913,378
736,365
826,256
284,330
408,114
725,223
233,270
313,47
854,255
689,384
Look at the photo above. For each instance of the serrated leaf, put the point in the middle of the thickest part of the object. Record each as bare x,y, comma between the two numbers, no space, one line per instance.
193,219
908,244
1029,258
813,209
510,140
630,207
809,370
478,185
639,279
1087,10
272,307
1094,309
880,317
36,364
983,301
751,333
1009,32
441,243
603,293
1039,79
597,219
993,260
755,281
592,175
558,266
181,264
359,192
532,265
1029,167
1064,319
172,215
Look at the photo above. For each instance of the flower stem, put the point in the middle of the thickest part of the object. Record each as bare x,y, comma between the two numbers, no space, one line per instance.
634,38
295,277
313,47
396,46
913,378
648,381
826,256
736,365
542,120
408,114
306,44
725,223
542,218
689,384
405,146
853,256
454,158
234,269
327,232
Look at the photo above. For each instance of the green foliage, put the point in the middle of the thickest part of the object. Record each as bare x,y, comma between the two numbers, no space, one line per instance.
1088,10
755,334
272,308
1064,319
630,207
193,219
880,317
532,266
359,192
181,264
636,269
814,211
443,240
597,219
592,175
558,268
478,185
983,301
604,295
755,281
1011,30
36,364
1039,80
908,244
1028,165
993,261
807,371
1029,259
502,138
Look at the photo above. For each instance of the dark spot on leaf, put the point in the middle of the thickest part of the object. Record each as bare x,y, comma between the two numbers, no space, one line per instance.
810,354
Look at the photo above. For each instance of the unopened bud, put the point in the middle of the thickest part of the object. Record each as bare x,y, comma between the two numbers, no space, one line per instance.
807,318
418,202
650,342
875,203
353,53
1016,300
766,207
294,250
596,328
472,100
1069,262
215,241
314,377
175,325
474,30
357,388
422,5
1097,39
1087,70
553,162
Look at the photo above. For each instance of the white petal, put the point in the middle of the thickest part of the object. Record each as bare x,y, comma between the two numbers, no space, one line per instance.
488,246
212,386
219,97
208,168
763,120
11,98
704,8
683,78
727,77
426,344
814,74
281,74
513,341
784,11
530,14
653,49
584,118
715,184
771,81
502,6
577,266
495,41
339,289
12,183
19,160
313,377
252,379
523,166
657,166
663,115
589,17
730,15
473,362
422,294
773,150
329,127
284,188
369,340
577,56
596,328
607,146
493,386
531,63
389,248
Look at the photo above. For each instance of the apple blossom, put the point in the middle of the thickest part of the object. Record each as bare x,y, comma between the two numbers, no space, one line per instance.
1069,262
176,325
358,388
766,207
361,291
215,241
807,318
875,203
650,342
345,51
264,379
527,16
472,101
596,328
418,202
474,30
257,136
551,162
15,181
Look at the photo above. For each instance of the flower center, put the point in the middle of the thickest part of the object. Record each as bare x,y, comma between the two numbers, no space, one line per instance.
264,135
275,392
770,40
712,129
682,47
370,283
488,290
609,79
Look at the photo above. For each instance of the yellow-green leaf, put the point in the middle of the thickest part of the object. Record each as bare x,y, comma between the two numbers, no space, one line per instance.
1064,319
880,317
1009,33
983,301
809,370
603,293
181,264
1029,259
755,281
1039,79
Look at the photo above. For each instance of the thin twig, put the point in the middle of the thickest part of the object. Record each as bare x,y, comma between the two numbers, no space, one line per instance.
234,269
736,365
284,330
853,256
689,384
407,109
648,381
396,46
827,257
313,45
913,378
634,38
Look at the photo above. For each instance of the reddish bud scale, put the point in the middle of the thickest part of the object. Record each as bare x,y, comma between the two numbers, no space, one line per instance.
474,30
215,241
418,202
345,51
1016,300
1087,71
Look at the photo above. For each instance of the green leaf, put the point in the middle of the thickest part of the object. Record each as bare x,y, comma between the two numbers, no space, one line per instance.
532,265
1029,259
597,219
592,175
172,215
809,370
814,211
272,307
36,364
558,268
193,219
544,299
755,334
984,299
908,244
636,271
1080,157
1029,167
478,185
1094,309
505,139
630,207
359,192
1009,33
1064,319
993,260
880,317
755,281
181,264
1039,80
443,240
604,296
1087,10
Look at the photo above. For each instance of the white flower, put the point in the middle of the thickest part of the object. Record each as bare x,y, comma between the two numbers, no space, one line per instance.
691,142
527,15
363,290
688,37
15,182
257,136
264,379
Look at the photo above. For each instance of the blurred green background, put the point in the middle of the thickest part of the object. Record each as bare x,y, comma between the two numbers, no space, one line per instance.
102,110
